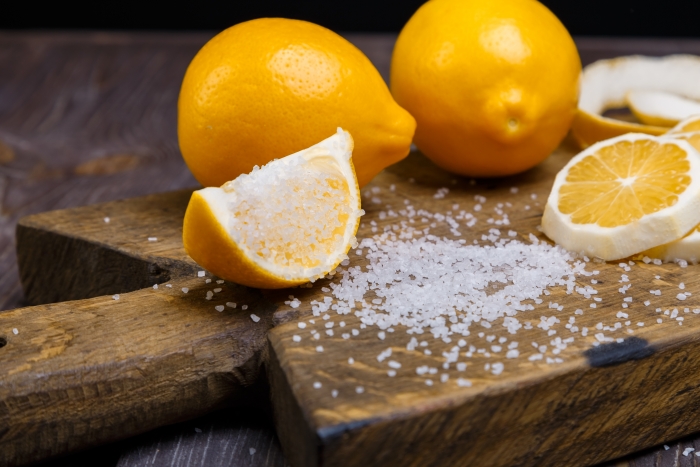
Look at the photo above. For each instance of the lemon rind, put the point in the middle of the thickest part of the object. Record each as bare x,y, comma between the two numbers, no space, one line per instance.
605,84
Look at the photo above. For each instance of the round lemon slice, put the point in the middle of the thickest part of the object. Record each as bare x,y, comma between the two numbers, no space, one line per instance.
661,108
290,222
625,195
689,125
605,85
686,248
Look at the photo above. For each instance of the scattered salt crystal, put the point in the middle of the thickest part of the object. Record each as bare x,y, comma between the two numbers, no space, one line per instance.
429,382
681,286
296,338
219,308
217,290
359,389
152,239
391,373
254,317
381,335
301,325
319,348
334,393
200,273
106,219
351,361
220,281
244,307
251,451
231,304
394,364
15,331
681,296
170,286
687,451
115,297
155,286
317,385
185,290
444,377
666,447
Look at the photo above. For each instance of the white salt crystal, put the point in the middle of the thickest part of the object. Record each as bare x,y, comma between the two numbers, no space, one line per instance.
231,304
254,317
296,338
317,385
152,239
200,273
319,348
185,290
115,297
351,361
681,296
251,451
334,393
219,308
244,307
106,219
15,331
687,451
359,389
155,286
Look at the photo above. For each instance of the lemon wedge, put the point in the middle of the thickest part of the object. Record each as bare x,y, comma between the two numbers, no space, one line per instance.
625,195
605,85
290,222
661,108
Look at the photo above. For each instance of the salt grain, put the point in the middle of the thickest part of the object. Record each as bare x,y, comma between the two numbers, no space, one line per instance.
152,239
115,297
185,290
15,331
254,317
296,338
319,348
200,273
219,308
359,389
317,385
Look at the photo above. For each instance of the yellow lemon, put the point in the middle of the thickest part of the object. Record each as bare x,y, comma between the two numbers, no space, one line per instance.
269,87
287,223
493,85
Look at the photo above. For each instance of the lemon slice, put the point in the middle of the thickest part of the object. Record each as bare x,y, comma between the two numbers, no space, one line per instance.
689,125
290,222
625,195
661,108
686,248
606,83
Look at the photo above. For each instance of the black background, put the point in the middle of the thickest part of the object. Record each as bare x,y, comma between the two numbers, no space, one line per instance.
665,18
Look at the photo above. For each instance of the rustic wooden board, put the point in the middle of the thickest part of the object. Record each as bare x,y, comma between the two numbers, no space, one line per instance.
85,372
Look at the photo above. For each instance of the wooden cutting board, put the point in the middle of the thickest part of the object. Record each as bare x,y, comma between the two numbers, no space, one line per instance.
100,367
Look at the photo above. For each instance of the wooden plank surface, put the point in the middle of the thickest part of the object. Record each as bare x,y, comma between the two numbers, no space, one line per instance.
69,99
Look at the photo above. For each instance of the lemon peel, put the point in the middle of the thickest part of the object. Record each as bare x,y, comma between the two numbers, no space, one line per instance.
605,85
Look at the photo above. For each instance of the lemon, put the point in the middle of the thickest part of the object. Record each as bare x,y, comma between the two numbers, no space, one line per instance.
625,195
287,223
493,85
270,87
686,248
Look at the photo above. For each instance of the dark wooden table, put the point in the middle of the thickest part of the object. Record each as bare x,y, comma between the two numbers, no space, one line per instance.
91,117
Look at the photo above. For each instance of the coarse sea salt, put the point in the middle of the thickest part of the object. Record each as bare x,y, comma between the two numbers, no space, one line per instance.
444,286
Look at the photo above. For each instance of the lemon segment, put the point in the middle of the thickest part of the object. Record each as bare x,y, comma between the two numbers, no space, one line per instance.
605,84
287,223
661,108
625,195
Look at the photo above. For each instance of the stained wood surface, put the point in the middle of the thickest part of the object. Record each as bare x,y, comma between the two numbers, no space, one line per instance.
76,111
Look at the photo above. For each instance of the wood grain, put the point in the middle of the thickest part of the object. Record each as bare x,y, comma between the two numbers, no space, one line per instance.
67,99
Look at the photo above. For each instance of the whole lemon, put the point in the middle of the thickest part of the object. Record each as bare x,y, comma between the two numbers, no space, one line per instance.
269,87
493,85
